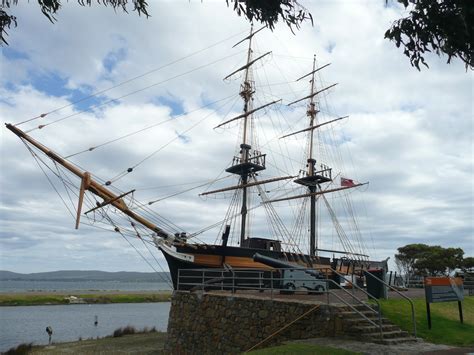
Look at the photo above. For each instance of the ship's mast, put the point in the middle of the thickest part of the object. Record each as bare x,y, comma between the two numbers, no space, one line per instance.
315,175
311,113
248,162
313,178
246,93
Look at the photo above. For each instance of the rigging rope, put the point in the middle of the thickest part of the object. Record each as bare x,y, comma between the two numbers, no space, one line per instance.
146,128
117,229
130,80
129,170
340,232
167,279
36,157
130,93
187,190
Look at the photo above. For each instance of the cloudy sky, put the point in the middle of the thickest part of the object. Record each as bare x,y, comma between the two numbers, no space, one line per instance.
410,133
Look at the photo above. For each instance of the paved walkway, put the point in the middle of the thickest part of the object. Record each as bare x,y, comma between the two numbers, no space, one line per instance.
419,347
335,296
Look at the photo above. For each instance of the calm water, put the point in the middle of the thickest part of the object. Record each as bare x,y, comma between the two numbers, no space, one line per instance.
25,286
69,322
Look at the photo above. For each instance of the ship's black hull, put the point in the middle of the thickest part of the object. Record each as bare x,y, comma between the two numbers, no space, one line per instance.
208,257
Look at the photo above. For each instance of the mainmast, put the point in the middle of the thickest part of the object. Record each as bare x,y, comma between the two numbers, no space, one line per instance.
313,178
315,175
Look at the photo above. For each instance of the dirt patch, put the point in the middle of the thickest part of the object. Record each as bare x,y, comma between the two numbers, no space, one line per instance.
417,347
150,343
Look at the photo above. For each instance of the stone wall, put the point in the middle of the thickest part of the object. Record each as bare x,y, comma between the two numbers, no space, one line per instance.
224,324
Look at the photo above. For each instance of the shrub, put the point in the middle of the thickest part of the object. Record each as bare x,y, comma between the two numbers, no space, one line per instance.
124,331
20,349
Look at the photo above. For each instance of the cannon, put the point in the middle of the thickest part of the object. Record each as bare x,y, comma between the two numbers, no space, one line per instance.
294,276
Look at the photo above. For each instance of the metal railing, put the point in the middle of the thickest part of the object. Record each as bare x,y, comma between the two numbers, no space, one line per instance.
401,294
272,281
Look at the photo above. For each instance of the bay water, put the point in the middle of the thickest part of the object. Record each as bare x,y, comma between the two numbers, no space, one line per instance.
86,285
27,324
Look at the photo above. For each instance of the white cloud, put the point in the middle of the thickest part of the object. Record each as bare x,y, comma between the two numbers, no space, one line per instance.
410,133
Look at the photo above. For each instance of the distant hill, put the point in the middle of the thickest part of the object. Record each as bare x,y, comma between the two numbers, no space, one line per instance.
82,275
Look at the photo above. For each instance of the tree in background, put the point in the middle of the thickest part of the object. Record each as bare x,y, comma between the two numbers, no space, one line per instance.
440,26
438,261
468,263
408,256
425,260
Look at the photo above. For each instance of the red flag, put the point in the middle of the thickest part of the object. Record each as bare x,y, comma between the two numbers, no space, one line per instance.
347,182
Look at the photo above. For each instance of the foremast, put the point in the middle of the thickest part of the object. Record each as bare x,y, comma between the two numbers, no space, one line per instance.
249,161
311,113
246,93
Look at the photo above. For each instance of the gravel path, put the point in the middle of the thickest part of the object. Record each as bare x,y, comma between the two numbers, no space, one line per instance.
418,347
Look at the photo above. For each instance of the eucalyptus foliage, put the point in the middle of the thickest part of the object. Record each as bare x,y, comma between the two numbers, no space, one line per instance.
439,26
426,260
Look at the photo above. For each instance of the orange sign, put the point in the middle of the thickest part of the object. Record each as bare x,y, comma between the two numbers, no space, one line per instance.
443,289
443,281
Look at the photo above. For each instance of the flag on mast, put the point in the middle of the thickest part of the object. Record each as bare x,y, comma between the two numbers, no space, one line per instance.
347,182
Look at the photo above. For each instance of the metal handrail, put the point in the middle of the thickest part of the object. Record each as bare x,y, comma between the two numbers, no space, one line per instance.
360,289
401,294
354,309
200,274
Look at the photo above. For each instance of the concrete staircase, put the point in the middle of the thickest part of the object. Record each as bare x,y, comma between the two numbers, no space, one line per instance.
361,329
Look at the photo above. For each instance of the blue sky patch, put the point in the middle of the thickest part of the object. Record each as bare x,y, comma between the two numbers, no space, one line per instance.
409,107
183,138
54,85
169,101
330,46
13,54
113,58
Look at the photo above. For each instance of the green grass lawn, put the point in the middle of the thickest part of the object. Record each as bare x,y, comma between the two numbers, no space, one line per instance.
445,325
301,349
35,299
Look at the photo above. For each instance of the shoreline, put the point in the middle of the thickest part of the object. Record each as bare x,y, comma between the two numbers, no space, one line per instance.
41,298
144,343
154,343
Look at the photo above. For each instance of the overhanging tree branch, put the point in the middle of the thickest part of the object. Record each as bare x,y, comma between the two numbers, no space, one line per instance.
440,26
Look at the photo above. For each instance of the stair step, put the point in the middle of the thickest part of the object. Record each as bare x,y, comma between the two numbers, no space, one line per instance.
360,321
395,341
353,314
363,329
361,308
386,335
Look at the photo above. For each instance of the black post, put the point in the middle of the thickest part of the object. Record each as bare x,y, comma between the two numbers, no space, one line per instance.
460,311
428,314
243,210
312,235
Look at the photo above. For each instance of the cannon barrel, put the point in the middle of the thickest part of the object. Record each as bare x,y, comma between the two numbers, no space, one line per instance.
279,264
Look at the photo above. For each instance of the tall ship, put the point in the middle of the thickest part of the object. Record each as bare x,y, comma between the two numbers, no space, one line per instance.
305,192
